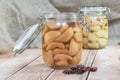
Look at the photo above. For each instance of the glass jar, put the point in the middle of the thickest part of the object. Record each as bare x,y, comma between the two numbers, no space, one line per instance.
61,40
96,36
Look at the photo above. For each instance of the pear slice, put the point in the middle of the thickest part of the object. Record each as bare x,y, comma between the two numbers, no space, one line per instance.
45,30
60,51
62,63
50,36
64,28
59,57
92,37
93,45
102,42
95,28
66,36
78,37
74,47
76,59
101,33
48,58
54,45
53,25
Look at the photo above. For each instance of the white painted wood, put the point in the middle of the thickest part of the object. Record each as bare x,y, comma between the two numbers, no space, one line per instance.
108,63
12,64
30,66
58,74
37,70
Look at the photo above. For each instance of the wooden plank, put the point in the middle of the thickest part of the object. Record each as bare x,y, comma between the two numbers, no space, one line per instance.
108,63
10,65
37,70
58,75
89,62
4,57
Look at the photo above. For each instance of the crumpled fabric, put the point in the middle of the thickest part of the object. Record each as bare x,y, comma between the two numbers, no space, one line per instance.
22,14
16,16
73,5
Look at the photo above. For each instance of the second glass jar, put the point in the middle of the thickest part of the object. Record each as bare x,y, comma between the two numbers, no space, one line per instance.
96,36
61,40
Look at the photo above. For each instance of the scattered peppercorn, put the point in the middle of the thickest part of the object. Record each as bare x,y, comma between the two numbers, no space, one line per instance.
88,68
67,71
80,66
80,72
93,69
79,69
85,69
73,68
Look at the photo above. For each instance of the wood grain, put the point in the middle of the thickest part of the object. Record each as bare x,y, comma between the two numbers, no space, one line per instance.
37,70
58,74
89,62
12,64
108,63
30,66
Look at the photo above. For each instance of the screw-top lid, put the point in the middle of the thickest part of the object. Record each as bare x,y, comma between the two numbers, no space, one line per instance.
27,38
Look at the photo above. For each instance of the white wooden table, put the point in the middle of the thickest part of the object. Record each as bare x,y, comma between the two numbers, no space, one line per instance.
30,66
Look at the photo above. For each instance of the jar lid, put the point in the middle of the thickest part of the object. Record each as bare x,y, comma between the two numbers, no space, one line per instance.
26,38
94,10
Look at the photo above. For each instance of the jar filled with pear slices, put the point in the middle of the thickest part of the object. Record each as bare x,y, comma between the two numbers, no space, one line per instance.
61,40
61,35
96,36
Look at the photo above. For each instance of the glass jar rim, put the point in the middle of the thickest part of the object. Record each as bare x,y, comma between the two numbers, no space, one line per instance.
63,14
94,8
58,17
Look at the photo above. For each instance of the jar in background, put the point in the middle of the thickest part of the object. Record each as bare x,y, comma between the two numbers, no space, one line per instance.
61,40
96,36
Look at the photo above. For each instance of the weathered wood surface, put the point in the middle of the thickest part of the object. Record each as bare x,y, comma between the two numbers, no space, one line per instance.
30,66
9,65
108,63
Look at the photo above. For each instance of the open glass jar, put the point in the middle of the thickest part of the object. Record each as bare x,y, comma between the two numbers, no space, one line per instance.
61,39
96,36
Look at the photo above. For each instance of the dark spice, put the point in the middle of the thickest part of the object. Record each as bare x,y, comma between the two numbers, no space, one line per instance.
88,68
73,68
80,66
79,69
68,71
93,69
85,69
80,72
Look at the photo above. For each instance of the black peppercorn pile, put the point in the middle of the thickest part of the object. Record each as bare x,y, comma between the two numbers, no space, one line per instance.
79,69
